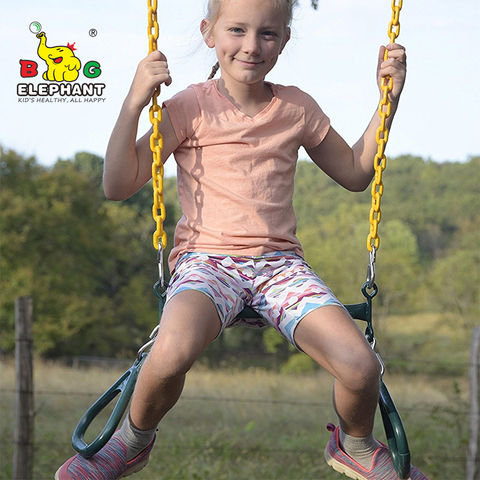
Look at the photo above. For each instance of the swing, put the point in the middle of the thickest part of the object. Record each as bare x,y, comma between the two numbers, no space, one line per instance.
124,386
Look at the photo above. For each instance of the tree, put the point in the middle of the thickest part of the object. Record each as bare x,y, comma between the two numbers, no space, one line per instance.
76,254
336,250
455,279
397,267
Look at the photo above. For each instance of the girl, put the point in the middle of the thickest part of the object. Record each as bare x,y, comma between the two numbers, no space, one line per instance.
235,141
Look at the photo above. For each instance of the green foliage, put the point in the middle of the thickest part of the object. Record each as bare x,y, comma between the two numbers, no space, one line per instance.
455,279
298,363
75,253
90,264
272,341
427,207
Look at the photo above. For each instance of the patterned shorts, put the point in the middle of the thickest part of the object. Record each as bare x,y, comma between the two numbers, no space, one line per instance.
280,286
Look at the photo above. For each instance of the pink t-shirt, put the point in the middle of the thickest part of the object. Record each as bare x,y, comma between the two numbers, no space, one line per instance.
235,173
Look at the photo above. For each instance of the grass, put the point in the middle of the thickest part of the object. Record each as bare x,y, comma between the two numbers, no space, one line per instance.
433,343
234,425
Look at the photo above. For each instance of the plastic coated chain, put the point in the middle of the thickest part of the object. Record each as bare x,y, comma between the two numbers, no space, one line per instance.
156,141
380,161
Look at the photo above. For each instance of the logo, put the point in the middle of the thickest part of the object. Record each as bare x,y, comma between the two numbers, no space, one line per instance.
35,27
62,69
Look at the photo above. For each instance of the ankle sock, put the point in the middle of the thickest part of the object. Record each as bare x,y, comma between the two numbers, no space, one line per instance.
361,449
135,439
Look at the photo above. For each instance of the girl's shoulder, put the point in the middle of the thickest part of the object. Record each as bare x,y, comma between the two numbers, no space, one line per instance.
293,94
194,90
285,89
203,88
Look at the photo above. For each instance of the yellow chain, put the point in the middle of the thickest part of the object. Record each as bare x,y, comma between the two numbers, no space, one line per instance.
156,141
380,161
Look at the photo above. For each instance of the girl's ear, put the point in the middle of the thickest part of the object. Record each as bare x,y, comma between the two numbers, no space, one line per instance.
206,30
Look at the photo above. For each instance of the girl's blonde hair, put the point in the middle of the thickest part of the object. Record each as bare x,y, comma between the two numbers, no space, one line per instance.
213,12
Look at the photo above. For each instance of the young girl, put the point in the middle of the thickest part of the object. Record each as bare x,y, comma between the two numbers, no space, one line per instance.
235,141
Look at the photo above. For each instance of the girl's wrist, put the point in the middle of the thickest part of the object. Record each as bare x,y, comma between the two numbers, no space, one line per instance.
131,107
393,103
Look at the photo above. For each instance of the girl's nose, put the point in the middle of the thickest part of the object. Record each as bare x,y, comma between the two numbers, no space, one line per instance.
251,44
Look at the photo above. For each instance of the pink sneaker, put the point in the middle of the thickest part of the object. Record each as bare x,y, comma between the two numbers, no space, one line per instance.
381,469
110,463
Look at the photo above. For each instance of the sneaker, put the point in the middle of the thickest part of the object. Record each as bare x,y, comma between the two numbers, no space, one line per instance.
381,469
110,463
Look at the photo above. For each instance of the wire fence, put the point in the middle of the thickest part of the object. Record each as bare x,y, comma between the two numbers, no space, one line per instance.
455,413
425,408
109,363
314,452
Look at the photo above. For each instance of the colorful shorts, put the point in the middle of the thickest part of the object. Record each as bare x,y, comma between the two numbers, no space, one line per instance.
280,286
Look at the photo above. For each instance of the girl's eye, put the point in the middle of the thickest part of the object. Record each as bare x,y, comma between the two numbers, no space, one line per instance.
269,33
236,30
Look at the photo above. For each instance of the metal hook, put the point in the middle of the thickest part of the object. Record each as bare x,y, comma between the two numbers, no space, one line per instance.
373,343
161,277
371,267
153,337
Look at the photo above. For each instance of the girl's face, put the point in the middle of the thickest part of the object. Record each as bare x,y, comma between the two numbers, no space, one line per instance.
248,37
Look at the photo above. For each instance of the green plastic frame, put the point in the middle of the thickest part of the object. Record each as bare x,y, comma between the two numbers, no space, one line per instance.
396,437
123,386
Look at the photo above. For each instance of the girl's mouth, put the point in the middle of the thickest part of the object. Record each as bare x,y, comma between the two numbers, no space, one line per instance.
247,63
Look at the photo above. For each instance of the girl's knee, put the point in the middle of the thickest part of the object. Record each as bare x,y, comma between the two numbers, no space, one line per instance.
364,374
171,357
189,323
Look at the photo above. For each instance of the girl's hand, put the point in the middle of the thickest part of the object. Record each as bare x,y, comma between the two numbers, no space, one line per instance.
395,66
152,71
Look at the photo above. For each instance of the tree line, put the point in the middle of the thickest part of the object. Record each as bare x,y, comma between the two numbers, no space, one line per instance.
90,265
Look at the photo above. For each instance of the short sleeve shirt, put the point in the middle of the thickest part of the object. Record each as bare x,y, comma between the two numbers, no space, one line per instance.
235,173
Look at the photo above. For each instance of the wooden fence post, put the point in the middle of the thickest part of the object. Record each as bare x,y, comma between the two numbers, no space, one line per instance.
23,447
473,456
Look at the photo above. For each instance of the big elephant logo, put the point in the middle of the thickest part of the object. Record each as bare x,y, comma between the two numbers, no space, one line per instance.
63,68
62,64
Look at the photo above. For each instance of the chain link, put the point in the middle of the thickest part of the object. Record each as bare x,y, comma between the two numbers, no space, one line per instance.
156,141
380,160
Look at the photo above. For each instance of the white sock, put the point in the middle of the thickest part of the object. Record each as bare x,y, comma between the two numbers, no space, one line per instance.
361,449
135,439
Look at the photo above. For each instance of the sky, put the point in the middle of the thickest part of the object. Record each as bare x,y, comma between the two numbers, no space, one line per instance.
332,55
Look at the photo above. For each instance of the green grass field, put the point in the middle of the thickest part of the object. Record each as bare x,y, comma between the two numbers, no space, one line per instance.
249,424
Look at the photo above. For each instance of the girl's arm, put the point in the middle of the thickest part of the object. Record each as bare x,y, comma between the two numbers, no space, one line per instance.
352,167
128,163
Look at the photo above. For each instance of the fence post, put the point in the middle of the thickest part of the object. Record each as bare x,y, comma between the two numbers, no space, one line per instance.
473,457
23,446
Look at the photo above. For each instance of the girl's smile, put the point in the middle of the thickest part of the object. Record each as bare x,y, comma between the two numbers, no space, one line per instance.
248,63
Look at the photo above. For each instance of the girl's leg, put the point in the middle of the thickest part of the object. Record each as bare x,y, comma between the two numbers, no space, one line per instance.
331,338
189,323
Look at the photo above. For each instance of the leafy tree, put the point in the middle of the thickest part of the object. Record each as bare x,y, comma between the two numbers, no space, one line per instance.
397,269
90,264
455,279
75,253
336,250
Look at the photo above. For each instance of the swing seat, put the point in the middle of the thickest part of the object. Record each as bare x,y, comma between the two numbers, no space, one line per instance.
124,386
248,312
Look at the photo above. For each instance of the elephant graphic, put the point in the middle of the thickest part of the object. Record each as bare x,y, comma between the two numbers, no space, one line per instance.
62,63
